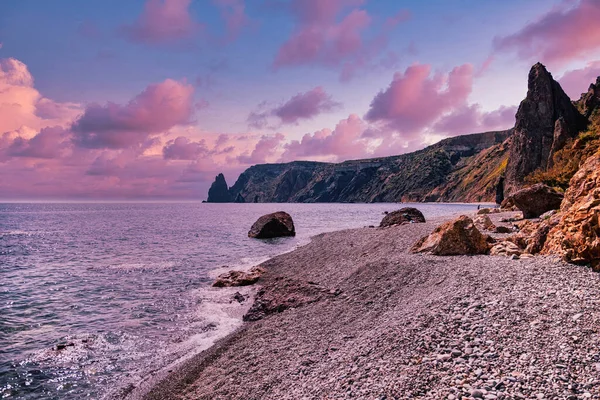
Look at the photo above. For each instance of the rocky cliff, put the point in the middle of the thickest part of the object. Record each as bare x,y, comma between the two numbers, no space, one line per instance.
409,177
545,121
548,144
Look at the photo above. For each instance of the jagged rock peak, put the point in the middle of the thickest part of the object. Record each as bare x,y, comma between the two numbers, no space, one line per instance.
219,192
590,101
546,119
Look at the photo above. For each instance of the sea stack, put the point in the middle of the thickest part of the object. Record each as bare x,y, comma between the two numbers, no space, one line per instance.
546,119
219,192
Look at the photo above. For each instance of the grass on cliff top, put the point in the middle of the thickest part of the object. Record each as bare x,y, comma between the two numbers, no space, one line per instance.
568,160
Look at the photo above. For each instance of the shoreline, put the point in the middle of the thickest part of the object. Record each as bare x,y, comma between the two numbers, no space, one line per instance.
361,297
200,355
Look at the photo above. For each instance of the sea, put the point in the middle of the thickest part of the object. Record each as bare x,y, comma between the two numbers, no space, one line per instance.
95,297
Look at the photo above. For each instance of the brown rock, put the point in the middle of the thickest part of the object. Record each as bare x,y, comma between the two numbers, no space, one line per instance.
505,248
239,278
402,216
285,293
536,200
456,237
484,222
273,225
576,237
503,229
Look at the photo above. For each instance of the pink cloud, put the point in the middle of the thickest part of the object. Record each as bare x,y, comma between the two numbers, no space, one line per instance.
334,34
158,108
305,105
577,81
49,143
570,31
233,13
183,148
343,143
22,105
470,119
415,98
162,21
265,149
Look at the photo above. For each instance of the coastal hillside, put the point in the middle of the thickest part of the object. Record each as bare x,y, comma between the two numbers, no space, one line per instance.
468,168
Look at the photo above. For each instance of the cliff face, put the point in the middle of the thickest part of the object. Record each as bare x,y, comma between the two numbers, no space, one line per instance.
545,143
218,192
408,177
545,121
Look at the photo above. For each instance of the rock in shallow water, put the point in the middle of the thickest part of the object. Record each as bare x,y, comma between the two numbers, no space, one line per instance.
273,225
239,278
402,216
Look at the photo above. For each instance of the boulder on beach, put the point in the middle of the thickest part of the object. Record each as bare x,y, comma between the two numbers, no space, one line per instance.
457,237
239,278
536,200
505,248
484,222
402,216
273,225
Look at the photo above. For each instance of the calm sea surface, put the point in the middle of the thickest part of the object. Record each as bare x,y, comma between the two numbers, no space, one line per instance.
125,288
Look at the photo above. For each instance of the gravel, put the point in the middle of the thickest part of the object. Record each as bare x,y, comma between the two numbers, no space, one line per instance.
395,325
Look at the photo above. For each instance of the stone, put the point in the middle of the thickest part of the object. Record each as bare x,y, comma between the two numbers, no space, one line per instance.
506,249
576,236
278,224
535,200
484,222
545,120
457,237
239,278
237,296
503,229
402,216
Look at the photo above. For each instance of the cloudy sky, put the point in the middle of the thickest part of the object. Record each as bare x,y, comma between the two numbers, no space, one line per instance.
150,99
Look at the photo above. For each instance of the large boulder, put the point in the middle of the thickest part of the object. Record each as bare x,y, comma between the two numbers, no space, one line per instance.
457,237
273,225
239,278
536,200
485,222
576,237
218,192
402,216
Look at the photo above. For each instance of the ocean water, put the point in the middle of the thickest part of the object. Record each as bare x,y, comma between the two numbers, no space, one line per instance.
93,297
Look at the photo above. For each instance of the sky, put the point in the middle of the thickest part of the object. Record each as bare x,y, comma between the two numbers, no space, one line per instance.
150,99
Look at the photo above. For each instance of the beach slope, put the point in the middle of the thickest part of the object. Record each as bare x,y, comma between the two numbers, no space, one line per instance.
354,314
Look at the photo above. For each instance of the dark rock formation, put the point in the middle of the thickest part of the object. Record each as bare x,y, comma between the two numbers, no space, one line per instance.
576,236
500,190
590,101
239,199
407,177
536,200
546,119
457,237
273,225
402,216
239,278
218,192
